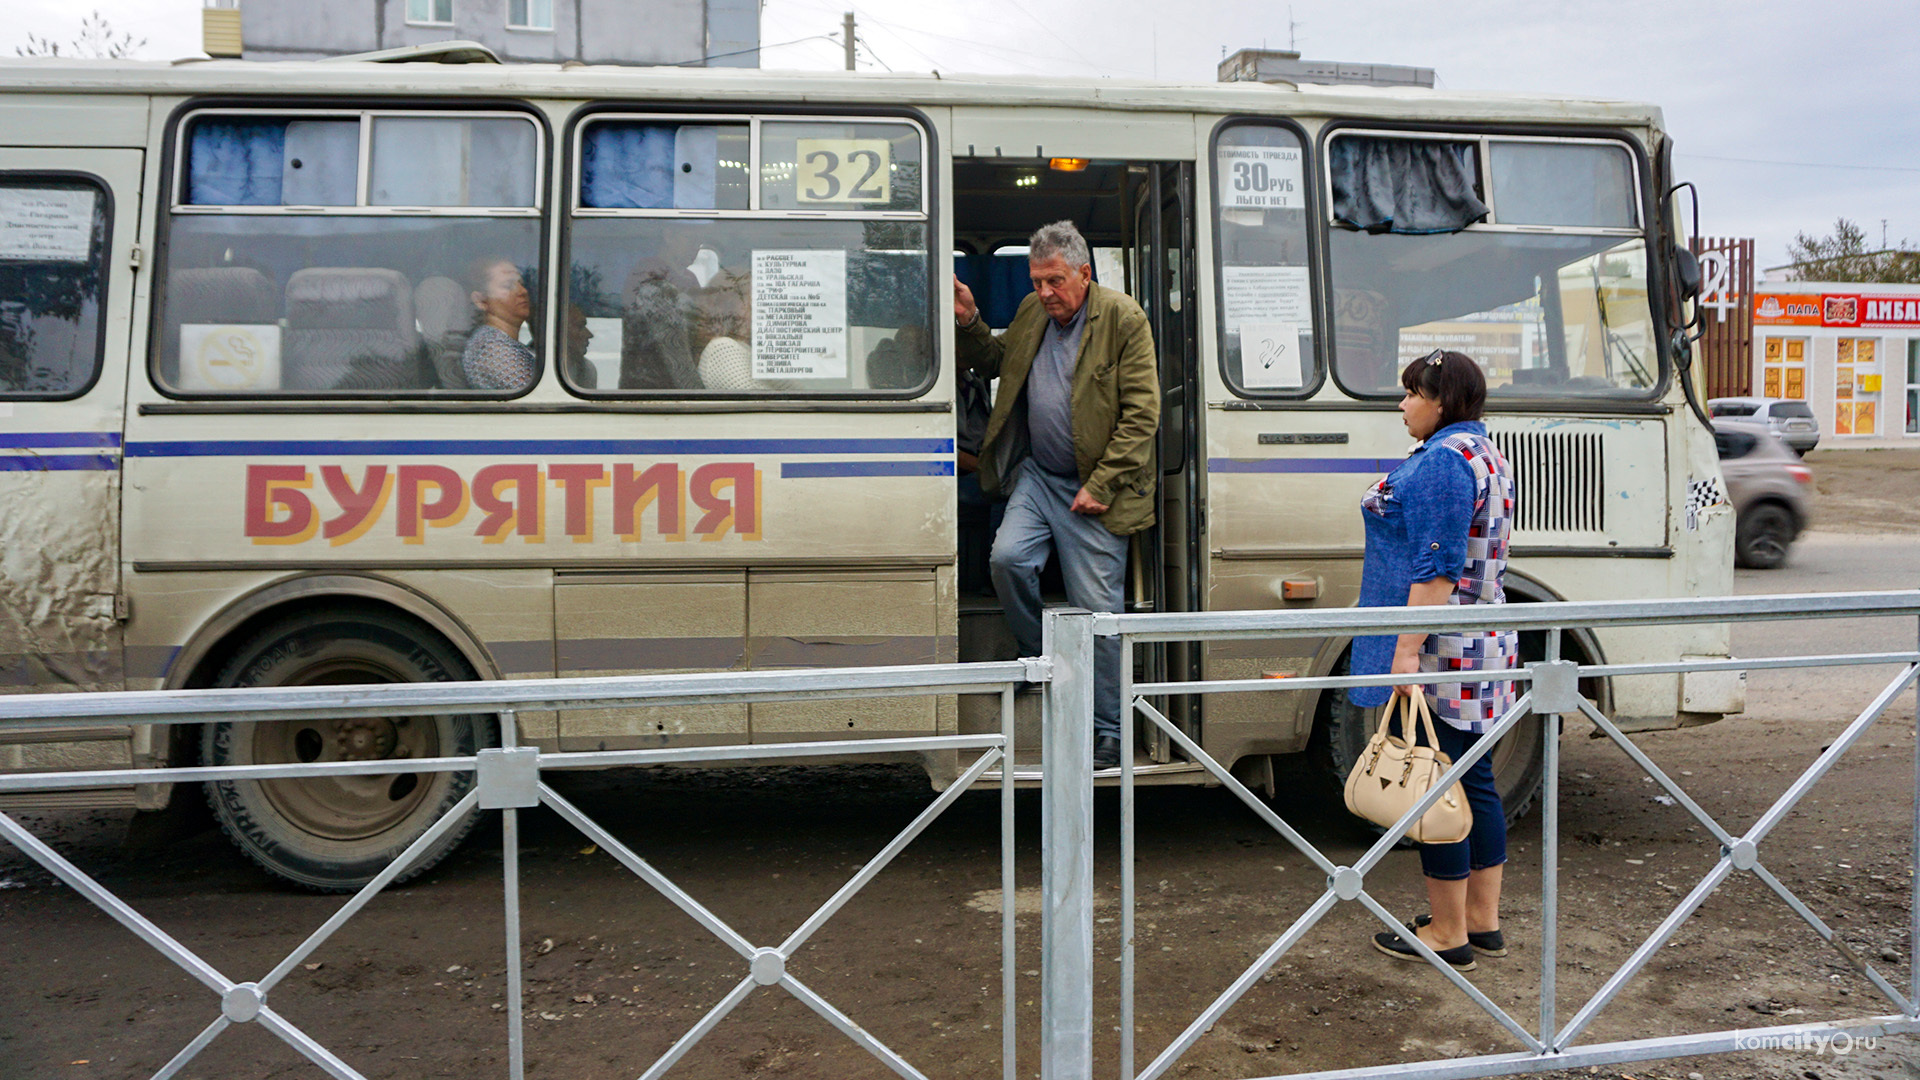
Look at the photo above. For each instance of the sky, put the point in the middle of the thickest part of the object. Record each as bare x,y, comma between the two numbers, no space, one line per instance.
1786,114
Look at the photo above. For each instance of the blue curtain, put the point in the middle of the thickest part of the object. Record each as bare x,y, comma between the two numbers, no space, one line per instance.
1404,185
238,163
631,167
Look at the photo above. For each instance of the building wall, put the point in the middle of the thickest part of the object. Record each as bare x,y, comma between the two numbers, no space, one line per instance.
1824,320
594,31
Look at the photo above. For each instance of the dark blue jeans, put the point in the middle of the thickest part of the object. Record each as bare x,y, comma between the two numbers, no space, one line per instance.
1486,845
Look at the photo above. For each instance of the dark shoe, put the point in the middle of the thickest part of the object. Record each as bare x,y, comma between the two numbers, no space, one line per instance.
1484,942
1459,958
1106,751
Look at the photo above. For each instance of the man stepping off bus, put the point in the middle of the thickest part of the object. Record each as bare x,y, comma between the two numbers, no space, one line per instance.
1070,445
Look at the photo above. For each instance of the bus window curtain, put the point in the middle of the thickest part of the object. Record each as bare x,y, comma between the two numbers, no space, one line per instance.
649,166
236,164
1404,185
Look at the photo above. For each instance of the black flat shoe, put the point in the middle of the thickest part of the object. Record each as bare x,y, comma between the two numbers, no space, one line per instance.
1484,942
1106,752
1459,958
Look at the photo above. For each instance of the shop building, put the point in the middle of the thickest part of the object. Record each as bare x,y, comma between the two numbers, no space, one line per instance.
1851,351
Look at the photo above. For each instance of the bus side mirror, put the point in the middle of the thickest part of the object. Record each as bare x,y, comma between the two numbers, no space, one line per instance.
1687,267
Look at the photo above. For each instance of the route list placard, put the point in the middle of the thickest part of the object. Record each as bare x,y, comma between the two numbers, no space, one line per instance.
799,314
54,224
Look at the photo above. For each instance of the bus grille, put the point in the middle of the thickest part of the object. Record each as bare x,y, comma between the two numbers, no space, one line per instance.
1560,478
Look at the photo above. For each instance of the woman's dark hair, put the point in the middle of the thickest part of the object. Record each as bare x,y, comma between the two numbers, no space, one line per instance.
1452,379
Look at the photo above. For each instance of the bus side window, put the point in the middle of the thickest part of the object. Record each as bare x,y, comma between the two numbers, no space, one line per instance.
299,266
53,235
1260,216
809,278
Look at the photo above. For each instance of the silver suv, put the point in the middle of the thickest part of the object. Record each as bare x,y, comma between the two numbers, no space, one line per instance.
1767,485
1791,420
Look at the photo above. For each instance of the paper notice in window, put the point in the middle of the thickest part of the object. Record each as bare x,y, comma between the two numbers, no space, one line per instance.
1270,356
49,224
799,314
1261,178
1264,294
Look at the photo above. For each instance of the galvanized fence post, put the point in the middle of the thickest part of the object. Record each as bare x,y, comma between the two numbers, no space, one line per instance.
1066,849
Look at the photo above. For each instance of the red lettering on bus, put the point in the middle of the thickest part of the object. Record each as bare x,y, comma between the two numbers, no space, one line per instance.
274,491
448,506
737,510
524,514
577,483
359,508
660,487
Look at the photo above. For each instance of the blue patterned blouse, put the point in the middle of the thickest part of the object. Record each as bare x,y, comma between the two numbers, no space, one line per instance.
1446,511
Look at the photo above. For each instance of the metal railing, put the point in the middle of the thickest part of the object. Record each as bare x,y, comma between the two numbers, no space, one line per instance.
511,778
1551,693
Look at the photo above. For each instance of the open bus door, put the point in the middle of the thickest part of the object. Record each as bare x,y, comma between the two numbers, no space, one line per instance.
1138,220
1166,563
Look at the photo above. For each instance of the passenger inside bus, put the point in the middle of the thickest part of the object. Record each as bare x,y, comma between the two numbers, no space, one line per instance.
494,358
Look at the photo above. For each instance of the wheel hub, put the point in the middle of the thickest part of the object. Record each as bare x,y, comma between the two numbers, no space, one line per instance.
365,739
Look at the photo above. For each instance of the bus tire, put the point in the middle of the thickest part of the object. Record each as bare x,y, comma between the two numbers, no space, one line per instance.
1341,730
334,834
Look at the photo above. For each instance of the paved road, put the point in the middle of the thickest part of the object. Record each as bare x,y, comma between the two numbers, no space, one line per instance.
1830,562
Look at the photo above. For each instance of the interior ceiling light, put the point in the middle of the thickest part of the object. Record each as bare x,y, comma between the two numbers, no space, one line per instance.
1068,164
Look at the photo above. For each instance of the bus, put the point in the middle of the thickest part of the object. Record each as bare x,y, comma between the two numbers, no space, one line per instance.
351,371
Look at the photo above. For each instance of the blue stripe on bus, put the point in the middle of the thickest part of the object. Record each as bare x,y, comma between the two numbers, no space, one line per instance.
1302,465
544,447
21,440
58,462
803,470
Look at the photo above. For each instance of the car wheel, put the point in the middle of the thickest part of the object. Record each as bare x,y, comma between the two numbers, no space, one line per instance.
1763,536
336,833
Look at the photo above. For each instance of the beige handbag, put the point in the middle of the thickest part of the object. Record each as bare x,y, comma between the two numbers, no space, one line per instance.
1393,773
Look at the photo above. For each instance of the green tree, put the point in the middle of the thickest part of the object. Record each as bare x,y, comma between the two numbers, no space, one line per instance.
1843,256
97,41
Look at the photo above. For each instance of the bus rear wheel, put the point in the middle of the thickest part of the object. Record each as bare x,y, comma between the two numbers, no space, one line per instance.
1341,730
336,833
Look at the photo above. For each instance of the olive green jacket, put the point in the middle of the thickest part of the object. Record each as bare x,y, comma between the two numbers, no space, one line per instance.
1115,402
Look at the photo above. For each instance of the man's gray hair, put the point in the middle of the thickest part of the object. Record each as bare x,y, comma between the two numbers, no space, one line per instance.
1062,239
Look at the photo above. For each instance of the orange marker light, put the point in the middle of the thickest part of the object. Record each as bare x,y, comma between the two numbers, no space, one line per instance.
1068,164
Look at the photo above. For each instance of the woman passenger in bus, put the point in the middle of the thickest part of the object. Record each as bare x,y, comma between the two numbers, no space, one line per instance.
494,358
1437,529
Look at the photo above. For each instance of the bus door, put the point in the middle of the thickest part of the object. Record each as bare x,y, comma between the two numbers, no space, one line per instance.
1165,570
67,229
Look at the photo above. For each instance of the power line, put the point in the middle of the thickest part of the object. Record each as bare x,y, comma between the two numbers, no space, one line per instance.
1800,164
862,41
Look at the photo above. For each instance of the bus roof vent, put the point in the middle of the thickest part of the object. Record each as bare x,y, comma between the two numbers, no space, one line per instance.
439,52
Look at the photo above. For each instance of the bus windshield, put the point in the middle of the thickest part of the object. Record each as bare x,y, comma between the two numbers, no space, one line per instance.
1550,297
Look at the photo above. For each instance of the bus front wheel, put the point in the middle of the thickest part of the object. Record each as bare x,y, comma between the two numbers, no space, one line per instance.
335,833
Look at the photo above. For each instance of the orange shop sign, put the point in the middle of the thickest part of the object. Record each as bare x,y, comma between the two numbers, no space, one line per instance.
1836,309
1786,309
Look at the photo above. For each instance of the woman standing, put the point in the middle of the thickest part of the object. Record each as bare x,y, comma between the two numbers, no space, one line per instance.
1437,532
494,359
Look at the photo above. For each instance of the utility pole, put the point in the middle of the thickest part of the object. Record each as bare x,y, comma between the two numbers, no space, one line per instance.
846,33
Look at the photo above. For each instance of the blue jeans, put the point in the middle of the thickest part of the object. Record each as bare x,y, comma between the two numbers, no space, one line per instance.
1093,563
1486,845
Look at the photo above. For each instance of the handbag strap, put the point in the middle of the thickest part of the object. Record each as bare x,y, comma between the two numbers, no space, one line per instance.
1419,701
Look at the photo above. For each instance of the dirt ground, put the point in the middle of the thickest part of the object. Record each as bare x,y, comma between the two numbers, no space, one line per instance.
414,985
1868,491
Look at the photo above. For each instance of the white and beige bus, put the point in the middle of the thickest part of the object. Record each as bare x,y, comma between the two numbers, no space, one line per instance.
272,411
